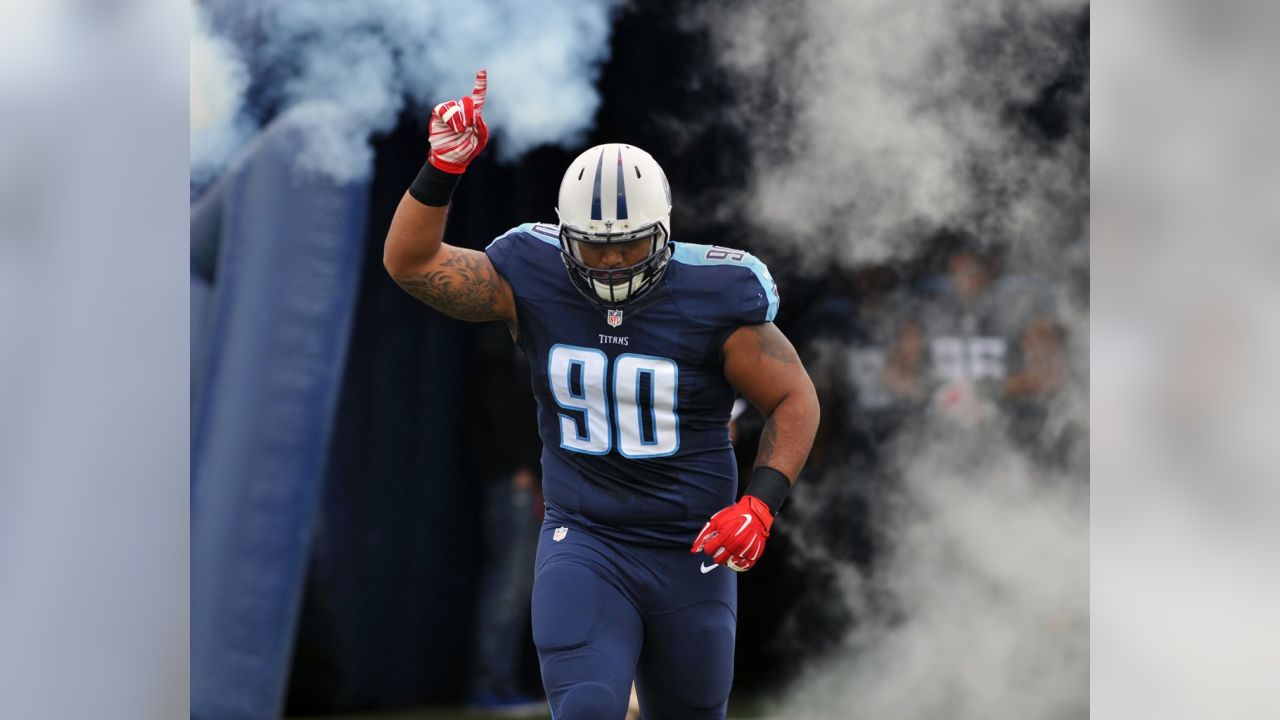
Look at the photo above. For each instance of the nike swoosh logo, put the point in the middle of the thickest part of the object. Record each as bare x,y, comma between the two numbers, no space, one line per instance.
708,568
745,522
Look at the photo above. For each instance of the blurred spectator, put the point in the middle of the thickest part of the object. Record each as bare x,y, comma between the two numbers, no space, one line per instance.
504,449
848,333
875,316
975,338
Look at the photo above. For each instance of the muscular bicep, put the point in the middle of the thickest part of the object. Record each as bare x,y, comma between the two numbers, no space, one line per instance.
462,284
762,364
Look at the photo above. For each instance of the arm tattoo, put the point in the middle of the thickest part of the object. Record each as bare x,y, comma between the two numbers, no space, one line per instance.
773,344
768,436
465,286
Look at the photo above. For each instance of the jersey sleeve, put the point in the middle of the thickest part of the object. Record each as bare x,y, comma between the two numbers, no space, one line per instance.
723,287
500,252
755,293
523,255
750,298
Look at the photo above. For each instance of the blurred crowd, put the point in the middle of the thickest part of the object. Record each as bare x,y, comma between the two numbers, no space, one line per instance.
954,340
945,365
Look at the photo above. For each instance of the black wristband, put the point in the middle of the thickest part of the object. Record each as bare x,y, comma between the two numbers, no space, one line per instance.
770,486
433,186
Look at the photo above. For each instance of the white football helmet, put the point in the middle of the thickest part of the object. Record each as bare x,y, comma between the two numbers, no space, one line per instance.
615,193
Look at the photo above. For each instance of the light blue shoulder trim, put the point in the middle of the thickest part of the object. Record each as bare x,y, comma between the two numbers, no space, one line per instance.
544,232
693,254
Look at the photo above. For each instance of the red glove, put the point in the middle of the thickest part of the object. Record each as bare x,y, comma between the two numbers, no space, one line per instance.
458,132
735,536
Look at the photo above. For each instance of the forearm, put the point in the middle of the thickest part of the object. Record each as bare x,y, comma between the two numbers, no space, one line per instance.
415,236
736,535
788,433
761,363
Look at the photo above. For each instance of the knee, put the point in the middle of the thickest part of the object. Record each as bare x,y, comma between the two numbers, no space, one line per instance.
590,701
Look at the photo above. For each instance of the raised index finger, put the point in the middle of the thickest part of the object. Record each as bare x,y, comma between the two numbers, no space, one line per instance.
482,84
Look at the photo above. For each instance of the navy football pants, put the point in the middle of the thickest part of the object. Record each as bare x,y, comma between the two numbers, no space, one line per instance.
606,612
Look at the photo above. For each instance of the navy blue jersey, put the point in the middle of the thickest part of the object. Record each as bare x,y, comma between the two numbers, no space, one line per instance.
633,409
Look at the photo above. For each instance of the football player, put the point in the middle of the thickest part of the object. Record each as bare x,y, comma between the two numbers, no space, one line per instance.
637,344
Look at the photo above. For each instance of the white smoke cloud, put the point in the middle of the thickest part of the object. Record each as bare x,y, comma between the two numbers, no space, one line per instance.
874,123
870,121
987,574
218,83
349,67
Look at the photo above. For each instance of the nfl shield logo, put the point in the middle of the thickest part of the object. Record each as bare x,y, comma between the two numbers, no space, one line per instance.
559,534
615,318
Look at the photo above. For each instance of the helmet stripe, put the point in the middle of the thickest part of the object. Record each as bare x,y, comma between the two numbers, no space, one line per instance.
622,190
595,191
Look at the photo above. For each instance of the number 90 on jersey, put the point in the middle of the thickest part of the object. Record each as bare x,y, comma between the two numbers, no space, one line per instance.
642,416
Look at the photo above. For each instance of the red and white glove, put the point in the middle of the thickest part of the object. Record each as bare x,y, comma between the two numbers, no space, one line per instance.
458,132
735,536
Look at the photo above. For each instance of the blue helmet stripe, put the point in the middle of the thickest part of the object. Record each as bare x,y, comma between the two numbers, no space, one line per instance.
595,191
622,190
